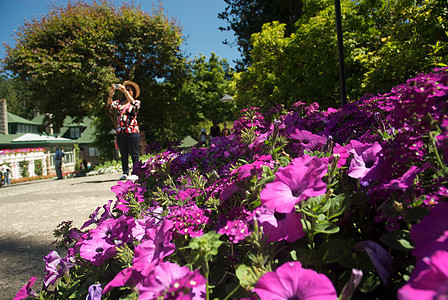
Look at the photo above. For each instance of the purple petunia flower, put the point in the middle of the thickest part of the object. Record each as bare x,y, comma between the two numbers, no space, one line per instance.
307,140
158,246
430,235
280,226
171,281
125,190
52,261
97,250
403,182
128,277
94,217
291,281
380,258
430,283
26,290
365,159
95,292
150,221
299,180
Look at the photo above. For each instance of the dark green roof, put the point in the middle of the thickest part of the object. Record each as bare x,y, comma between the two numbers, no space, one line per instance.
12,118
22,139
88,135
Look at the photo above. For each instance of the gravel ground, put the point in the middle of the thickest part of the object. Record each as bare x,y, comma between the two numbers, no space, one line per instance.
29,212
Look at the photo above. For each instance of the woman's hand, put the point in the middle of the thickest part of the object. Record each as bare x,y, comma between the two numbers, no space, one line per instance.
121,88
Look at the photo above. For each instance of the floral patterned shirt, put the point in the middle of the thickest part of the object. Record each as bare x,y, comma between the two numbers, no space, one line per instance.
127,116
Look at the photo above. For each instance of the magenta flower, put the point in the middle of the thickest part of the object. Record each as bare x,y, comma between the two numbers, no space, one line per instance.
171,281
189,220
150,221
365,159
403,182
381,259
280,226
430,235
104,230
235,224
307,140
291,281
151,251
430,283
128,277
253,169
26,290
97,251
296,182
125,191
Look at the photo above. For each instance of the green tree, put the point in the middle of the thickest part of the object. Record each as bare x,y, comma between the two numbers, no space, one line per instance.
19,98
259,84
73,54
385,43
206,81
404,38
246,17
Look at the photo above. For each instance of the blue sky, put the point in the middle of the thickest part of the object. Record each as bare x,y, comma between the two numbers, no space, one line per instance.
199,19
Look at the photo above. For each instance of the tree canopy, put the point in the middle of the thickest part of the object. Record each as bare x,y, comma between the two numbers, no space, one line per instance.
385,43
246,17
74,53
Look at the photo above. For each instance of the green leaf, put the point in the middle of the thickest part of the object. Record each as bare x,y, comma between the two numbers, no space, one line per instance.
327,228
339,205
248,276
399,239
415,214
332,250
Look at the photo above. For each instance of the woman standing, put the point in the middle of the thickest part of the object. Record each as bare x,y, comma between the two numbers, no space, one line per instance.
128,132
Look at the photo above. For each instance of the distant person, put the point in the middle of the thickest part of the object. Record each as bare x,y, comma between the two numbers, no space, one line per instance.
215,130
225,132
6,173
128,131
58,155
203,138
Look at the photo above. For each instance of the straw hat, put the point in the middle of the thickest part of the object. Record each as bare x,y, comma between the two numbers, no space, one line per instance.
134,85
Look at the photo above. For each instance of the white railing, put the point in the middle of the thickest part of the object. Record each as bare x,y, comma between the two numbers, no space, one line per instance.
14,159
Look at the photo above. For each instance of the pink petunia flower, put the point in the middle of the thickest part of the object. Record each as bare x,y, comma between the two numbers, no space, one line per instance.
128,277
97,251
296,182
430,283
156,247
430,235
291,281
26,290
365,159
280,226
171,281
307,140
126,190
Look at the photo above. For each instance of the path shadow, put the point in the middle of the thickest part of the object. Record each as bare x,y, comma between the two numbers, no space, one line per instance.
21,259
96,181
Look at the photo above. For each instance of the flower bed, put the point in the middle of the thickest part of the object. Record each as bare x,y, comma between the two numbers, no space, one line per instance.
317,204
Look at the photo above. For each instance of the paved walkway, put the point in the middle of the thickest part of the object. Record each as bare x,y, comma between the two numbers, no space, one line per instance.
29,212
